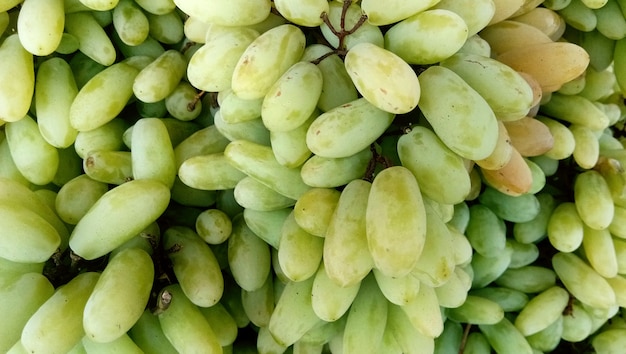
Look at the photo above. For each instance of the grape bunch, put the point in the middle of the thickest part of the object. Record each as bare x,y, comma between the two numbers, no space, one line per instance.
312,176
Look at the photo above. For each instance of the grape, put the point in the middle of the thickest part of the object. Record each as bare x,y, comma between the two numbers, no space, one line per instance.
92,39
111,167
299,252
15,95
157,80
248,256
476,14
303,12
130,23
364,32
70,208
148,335
94,235
329,300
119,297
383,78
395,221
427,37
40,26
477,310
504,337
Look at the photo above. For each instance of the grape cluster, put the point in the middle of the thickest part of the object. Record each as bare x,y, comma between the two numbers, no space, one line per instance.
312,176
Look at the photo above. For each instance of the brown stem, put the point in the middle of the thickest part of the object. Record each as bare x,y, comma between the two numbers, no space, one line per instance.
192,105
464,339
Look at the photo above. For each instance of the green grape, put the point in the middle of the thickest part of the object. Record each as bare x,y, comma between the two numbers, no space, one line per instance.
304,12
440,172
149,336
27,237
95,236
289,147
575,109
349,21
152,153
427,37
264,61
205,141
504,337
299,252
267,343
586,146
196,30
250,130
8,169
577,324
517,209
468,127
345,130
157,80
195,266
40,25
488,269
600,252
15,95
233,109
119,297
510,300
149,47
88,111
542,310
112,167
395,221
476,45
424,313
251,194
167,28
248,256
477,310
315,208
157,7
55,90
23,296
453,292
259,304
267,224
180,100
406,335
77,196
184,325
292,99
293,315
258,161
222,323
385,14
508,94
100,5
211,67
476,14
9,4
92,39
523,253
329,172
485,231
84,68
529,279
329,300
235,13
477,343
397,290
214,226
42,333
582,281
549,338
130,23
365,328
593,201
123,344
608,341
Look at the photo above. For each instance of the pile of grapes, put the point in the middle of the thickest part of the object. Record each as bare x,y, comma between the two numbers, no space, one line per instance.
312,176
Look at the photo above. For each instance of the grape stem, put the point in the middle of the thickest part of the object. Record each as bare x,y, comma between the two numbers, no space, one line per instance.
376,159
192,105
466,332
342,32
163,302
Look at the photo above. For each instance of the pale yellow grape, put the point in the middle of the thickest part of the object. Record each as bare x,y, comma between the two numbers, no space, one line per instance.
251,194
477,310
184,325
440,172
204,141
222,322
505,9
476,45
123,344
133,205
507,93
89,111
529,136
112,167
214,226
564,143
364,329
408,338
424,313
330,301
322,172
289,147
157,80
302,12
345,130
600,251
299,252
454,292
315,208
152,152
100,5
476,14
266,59
586,146
427,37
194,265
93,40
9,4
292,99
167,28
593,200
251,130
54,94
40,25
364,33
582,281
548,21
383,78
233,109
397,290
507,35
542,310
384,13
469,127
130,23
76,197
42,333
157,7
248,256
120,296
15,95
233,13
22,297
395,221
36,160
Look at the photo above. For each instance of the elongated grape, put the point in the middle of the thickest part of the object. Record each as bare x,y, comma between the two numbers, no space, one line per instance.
40,26
384,14
248,256
119,297
329,300
15,95
303,12
157,80
93,40
130,23
395,221
95,235
236,13
593,200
